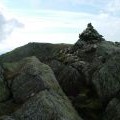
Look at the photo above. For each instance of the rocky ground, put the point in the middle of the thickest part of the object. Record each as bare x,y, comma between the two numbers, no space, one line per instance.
62,82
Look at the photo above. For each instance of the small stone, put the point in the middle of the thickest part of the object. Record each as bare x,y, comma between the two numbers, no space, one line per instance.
32,94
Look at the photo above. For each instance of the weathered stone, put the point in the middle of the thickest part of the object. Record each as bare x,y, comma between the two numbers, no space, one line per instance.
24,79
46,105
34,85
71,80
107,79
6,118
112,111
4,92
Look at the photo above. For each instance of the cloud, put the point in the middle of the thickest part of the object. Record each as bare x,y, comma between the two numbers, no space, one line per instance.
7,26
113,6
74,23
109,6
52,23
85,2
35,3
62,26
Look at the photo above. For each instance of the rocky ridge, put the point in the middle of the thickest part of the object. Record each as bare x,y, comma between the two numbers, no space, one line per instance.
88,73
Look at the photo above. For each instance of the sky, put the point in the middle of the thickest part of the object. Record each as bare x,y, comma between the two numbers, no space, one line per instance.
55,21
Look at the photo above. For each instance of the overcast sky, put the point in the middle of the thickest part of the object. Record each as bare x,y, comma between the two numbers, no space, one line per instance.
55,21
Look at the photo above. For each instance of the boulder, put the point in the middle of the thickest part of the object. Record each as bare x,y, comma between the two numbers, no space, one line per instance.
4,92
71,80
112,111
107,80
37,93
24,79
6,118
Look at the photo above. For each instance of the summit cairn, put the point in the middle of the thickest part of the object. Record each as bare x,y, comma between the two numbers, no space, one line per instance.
90,35
89,38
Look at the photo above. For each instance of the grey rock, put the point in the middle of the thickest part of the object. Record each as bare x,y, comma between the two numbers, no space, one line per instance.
112,111
46,105
4,92
71,80
107,79
37,92
6,118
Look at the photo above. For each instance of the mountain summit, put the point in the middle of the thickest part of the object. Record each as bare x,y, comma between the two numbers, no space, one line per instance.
42,81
